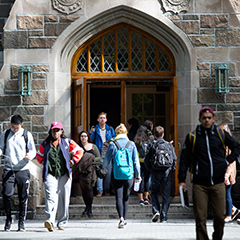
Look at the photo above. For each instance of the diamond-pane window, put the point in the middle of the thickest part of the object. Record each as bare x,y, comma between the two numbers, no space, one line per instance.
122,49
150,56
136,52
82,62
109,57
164,65
95,54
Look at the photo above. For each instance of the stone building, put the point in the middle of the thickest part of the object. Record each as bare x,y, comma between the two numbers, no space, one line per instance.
150,59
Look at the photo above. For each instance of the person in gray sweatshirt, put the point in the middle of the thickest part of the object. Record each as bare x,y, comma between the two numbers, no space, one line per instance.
17,148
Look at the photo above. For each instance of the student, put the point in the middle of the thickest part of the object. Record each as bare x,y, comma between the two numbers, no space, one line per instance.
132,126
87,177
161,175
17,147
122,187
53,154
208,163
229,180
100,134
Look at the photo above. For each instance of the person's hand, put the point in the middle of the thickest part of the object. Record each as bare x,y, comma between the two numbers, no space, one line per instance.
183,184
92,129
27,157
139,178
104,173
226,180
71,163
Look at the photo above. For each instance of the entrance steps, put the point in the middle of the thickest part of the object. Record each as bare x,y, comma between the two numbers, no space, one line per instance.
105,208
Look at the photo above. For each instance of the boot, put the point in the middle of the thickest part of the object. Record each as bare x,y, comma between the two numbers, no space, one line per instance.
8,223
84,213
89,211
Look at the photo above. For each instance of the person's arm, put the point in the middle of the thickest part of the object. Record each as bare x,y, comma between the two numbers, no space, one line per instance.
2,142
40,153
136,162
76,151
148,157
174,158
31,147
111,150
97,155
234,146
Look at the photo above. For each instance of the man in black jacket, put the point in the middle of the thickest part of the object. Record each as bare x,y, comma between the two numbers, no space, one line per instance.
161,175
205,154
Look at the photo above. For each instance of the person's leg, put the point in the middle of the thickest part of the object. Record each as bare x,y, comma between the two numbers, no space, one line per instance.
146,174
107,180
64,191
118,187
200,205
51,199
23,184
218,205
228,203
166,189
156,177
8,182
126,192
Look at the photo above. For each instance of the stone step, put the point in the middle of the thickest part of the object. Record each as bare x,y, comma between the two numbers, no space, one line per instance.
105,208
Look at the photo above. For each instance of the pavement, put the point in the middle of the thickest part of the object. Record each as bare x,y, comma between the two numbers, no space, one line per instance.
108,229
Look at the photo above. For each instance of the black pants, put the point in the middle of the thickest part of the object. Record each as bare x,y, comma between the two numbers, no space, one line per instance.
22,179
87,192
122,190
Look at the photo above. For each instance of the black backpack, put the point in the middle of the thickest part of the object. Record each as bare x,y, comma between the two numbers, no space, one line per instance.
163,157
6,136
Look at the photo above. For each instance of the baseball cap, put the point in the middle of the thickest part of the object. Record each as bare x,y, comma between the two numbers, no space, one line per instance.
205,109
56,125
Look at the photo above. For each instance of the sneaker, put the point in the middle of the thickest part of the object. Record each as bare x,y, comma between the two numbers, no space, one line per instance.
61,228
49,226
121,224
237,211
141,202
21,227
238,221
155,217
146,201
228,220
163,221
8,224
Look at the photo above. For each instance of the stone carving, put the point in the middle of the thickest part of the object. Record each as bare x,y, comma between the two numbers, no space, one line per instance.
175,6
67,6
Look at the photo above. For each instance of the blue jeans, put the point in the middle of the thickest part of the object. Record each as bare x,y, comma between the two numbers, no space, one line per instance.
107,178
145,174
163,180
228,200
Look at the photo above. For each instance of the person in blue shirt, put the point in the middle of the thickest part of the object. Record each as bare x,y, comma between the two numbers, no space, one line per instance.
100,134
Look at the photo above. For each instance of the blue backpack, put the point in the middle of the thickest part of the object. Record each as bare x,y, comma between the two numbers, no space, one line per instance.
122,163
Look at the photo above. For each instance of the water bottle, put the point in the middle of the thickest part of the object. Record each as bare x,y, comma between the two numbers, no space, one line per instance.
136,185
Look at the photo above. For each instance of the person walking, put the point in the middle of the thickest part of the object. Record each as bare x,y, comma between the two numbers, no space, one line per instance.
204,153
100,134
128,157
229,180
53,154
161,173
149,125
87,173
142,141
17,147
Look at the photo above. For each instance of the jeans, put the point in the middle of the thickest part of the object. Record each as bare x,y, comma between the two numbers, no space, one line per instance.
107,178
161,179
100,185
145,174
228,201
201,195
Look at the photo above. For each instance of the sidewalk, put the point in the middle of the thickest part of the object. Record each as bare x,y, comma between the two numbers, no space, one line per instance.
108,229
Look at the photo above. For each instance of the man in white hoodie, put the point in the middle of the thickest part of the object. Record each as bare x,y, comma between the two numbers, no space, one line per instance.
17,147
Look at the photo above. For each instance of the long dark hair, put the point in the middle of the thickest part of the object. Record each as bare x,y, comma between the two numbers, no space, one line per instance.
50,138
79,138
141,135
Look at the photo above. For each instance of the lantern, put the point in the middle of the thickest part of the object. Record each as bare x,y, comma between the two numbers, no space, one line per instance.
25,80
222,78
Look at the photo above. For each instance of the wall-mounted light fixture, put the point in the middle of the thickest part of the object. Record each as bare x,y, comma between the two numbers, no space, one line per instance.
222,78
25,80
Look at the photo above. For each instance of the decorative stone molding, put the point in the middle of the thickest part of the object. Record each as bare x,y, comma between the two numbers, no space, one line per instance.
67,6
175,6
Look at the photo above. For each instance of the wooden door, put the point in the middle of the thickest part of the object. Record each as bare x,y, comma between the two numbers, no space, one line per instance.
173,125
80,106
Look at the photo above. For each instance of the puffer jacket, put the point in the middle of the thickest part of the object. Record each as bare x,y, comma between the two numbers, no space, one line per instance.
208,160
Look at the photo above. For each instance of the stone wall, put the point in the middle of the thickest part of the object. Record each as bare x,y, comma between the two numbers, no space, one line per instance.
217,40
5,7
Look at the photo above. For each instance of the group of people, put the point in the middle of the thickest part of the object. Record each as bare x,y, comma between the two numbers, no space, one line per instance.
210,152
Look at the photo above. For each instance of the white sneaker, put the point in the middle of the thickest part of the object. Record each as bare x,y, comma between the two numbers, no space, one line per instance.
155,217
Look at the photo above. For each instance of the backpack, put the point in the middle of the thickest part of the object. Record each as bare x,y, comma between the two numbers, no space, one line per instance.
163,157
142,150
6,136
123,163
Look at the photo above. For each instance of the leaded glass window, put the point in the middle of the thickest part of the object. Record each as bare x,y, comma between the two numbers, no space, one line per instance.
137,52
109,55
